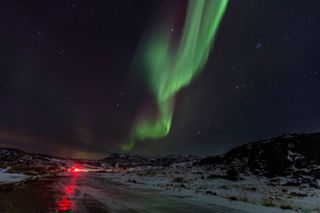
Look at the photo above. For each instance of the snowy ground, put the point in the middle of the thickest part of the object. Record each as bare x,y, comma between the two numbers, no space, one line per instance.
248,192
6,177
252,189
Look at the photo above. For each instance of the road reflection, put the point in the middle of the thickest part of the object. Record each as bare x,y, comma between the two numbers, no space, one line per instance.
84,192
66,201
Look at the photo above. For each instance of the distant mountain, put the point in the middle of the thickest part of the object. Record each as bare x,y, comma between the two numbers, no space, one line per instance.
296,156
29,163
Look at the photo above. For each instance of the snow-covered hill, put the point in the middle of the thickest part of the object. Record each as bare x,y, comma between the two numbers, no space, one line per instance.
296,157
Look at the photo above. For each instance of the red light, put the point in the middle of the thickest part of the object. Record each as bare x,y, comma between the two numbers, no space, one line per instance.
76,169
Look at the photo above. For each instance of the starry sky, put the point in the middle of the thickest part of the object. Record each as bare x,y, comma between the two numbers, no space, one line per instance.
68,87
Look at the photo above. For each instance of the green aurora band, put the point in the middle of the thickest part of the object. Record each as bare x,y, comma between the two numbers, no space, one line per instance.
169,68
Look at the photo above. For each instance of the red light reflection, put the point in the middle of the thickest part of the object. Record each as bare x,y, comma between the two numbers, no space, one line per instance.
65,204
66,201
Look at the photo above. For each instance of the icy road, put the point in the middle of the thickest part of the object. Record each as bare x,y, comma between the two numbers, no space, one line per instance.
92,193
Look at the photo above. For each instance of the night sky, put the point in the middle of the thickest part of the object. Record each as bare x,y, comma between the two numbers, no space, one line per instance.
68,86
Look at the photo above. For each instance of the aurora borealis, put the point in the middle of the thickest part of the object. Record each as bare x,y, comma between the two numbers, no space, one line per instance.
169,69
85,78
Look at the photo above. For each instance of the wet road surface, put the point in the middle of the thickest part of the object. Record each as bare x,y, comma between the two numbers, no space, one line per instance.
91,193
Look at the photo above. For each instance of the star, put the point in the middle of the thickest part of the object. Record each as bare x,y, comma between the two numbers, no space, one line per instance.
258,45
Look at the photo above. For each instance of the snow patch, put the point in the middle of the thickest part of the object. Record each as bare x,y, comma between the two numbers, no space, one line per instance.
6,177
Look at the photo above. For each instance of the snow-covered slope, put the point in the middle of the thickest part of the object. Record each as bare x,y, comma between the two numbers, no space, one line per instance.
294,156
